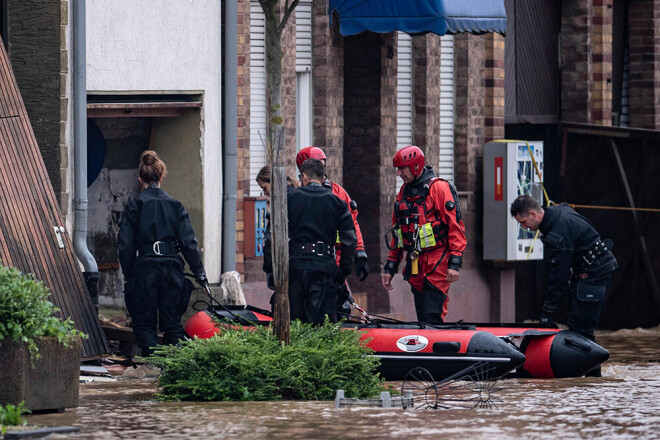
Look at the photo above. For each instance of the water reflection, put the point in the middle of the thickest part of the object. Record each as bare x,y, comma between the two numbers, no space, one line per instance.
624,404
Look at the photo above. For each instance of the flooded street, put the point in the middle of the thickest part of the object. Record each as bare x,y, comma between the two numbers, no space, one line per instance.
623,404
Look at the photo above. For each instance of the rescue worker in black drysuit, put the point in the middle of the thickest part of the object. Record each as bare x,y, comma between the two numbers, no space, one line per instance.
263,180
580,262
316,216
154,228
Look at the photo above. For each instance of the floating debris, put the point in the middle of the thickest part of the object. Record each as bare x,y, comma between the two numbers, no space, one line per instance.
385,401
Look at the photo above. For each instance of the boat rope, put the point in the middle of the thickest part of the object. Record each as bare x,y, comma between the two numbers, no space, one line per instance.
572,205
619,208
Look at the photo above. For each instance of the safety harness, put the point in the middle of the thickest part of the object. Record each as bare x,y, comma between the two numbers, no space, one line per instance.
417,229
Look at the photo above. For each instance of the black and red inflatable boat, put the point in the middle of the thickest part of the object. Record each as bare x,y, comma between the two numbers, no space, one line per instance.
444,350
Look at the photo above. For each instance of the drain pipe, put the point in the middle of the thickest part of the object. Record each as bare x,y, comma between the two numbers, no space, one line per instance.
229,159
91,273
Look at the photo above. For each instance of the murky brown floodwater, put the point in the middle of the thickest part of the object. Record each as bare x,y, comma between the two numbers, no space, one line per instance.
623,404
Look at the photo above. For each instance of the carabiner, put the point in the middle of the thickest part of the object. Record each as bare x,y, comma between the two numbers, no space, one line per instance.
394,240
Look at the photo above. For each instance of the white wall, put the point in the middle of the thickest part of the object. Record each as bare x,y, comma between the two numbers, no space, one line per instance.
173,46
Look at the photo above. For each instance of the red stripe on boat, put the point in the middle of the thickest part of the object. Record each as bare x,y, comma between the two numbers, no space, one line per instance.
537,354
385,339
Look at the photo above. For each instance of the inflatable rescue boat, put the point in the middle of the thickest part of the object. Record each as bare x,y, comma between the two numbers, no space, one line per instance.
444,350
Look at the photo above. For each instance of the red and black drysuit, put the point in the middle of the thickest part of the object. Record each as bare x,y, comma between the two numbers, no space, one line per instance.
360,254
427,222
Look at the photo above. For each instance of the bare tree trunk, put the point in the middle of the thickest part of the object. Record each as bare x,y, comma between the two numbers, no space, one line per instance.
276,139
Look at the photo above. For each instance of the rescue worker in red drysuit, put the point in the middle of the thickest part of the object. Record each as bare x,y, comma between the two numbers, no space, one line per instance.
360,259
427,224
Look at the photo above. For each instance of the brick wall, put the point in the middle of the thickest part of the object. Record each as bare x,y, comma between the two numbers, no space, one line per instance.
586,61
370,139
494,73
242,125
40,60
601,85
426,89
576,68
328,83
470,136
643,74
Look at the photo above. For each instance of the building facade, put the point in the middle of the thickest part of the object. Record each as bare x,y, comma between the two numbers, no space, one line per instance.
154,81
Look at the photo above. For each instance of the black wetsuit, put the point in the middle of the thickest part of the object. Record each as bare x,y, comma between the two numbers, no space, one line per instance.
576,254
154,228
316,218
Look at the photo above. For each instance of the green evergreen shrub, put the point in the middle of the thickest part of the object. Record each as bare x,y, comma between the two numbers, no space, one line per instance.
250,364
12,415
26,314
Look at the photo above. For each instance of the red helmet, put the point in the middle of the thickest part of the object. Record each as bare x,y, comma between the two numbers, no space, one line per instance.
309,153
410,156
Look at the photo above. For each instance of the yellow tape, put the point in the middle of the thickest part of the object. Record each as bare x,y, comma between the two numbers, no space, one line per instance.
536,167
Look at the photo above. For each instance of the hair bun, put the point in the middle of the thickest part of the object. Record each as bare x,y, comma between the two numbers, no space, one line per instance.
149,157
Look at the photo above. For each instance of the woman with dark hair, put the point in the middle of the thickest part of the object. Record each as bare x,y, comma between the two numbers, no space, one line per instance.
154,229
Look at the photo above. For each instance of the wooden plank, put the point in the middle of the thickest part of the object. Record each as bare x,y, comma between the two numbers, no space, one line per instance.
135,113
29,212
37,223
143,105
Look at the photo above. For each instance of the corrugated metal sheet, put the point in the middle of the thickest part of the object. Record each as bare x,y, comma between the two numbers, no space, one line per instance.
404,95
446,162
30,221
532,61
304,109
303,13
258,136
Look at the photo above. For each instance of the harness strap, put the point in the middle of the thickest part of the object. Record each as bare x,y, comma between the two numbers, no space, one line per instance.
318,248
159,248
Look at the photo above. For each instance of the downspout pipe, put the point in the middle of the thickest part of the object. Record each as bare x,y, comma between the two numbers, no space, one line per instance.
229,157
91,272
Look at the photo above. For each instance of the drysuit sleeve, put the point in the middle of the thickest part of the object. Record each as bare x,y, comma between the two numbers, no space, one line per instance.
126,237
188,244
395,253
559,252
342,194
445,199
347,239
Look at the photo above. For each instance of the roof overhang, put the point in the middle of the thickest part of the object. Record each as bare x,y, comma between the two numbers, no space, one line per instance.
420,16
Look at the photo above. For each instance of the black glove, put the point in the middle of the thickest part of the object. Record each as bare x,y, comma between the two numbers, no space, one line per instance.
270,281
361,269
391,267
202,280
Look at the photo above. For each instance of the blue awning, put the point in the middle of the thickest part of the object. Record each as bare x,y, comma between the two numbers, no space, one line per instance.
420,16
